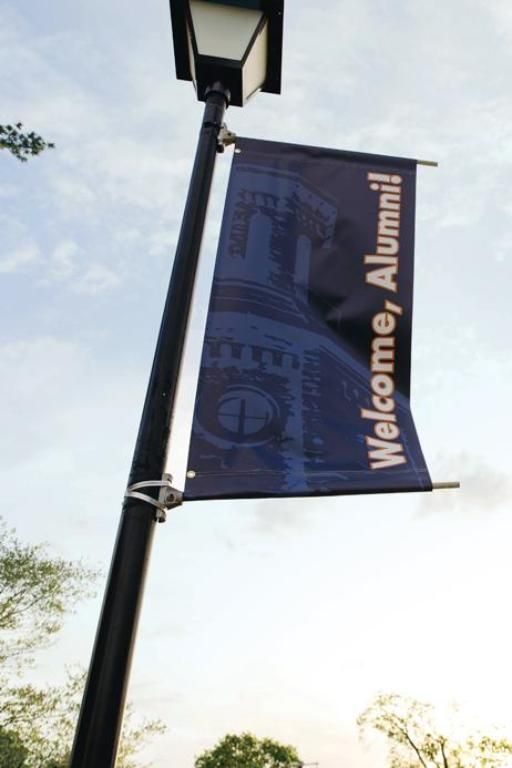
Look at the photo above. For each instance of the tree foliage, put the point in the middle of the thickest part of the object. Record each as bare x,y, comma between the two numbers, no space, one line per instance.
13,753
44,719
37,724
415,740
36,591
22,145
246,751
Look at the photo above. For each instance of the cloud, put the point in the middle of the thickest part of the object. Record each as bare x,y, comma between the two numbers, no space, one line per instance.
34,377
8,191
62,260
72,195
20,259
95,280
67,429
277,516
501,12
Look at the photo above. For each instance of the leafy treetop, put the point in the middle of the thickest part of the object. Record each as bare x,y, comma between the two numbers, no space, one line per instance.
246,751
415,740
36,591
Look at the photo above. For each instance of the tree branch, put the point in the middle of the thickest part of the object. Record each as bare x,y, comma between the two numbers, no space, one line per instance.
413,745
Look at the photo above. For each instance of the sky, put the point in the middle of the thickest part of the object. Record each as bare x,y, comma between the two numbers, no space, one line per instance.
284,618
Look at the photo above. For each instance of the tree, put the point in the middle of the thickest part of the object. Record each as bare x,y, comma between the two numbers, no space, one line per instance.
246,751
36,591
37,723
44,720
415,740
22,145
12,752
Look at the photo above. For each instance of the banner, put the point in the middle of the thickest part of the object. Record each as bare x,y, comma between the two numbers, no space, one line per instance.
305,376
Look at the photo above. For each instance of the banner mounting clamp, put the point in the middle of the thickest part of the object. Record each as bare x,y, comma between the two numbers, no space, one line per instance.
168,498
225,138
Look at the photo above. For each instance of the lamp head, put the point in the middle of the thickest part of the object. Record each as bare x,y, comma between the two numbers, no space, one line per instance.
237,43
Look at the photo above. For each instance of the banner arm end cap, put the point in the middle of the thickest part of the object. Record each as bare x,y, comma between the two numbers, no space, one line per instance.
443,486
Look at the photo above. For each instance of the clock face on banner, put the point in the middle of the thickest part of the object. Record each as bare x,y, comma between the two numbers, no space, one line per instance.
304,380
247,416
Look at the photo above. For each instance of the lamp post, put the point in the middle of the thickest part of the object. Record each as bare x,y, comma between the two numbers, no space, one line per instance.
230,50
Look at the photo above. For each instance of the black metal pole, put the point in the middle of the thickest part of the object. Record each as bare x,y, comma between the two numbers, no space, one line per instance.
99,724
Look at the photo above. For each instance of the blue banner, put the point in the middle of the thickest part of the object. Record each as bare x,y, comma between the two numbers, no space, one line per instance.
305,376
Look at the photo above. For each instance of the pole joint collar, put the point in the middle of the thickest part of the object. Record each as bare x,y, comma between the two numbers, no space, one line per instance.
217,89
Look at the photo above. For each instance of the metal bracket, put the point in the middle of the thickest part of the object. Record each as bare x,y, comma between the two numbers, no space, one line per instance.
225,138
169,497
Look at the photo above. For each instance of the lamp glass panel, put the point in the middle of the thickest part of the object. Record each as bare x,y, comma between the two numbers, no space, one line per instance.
191,56
254,71
223,31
